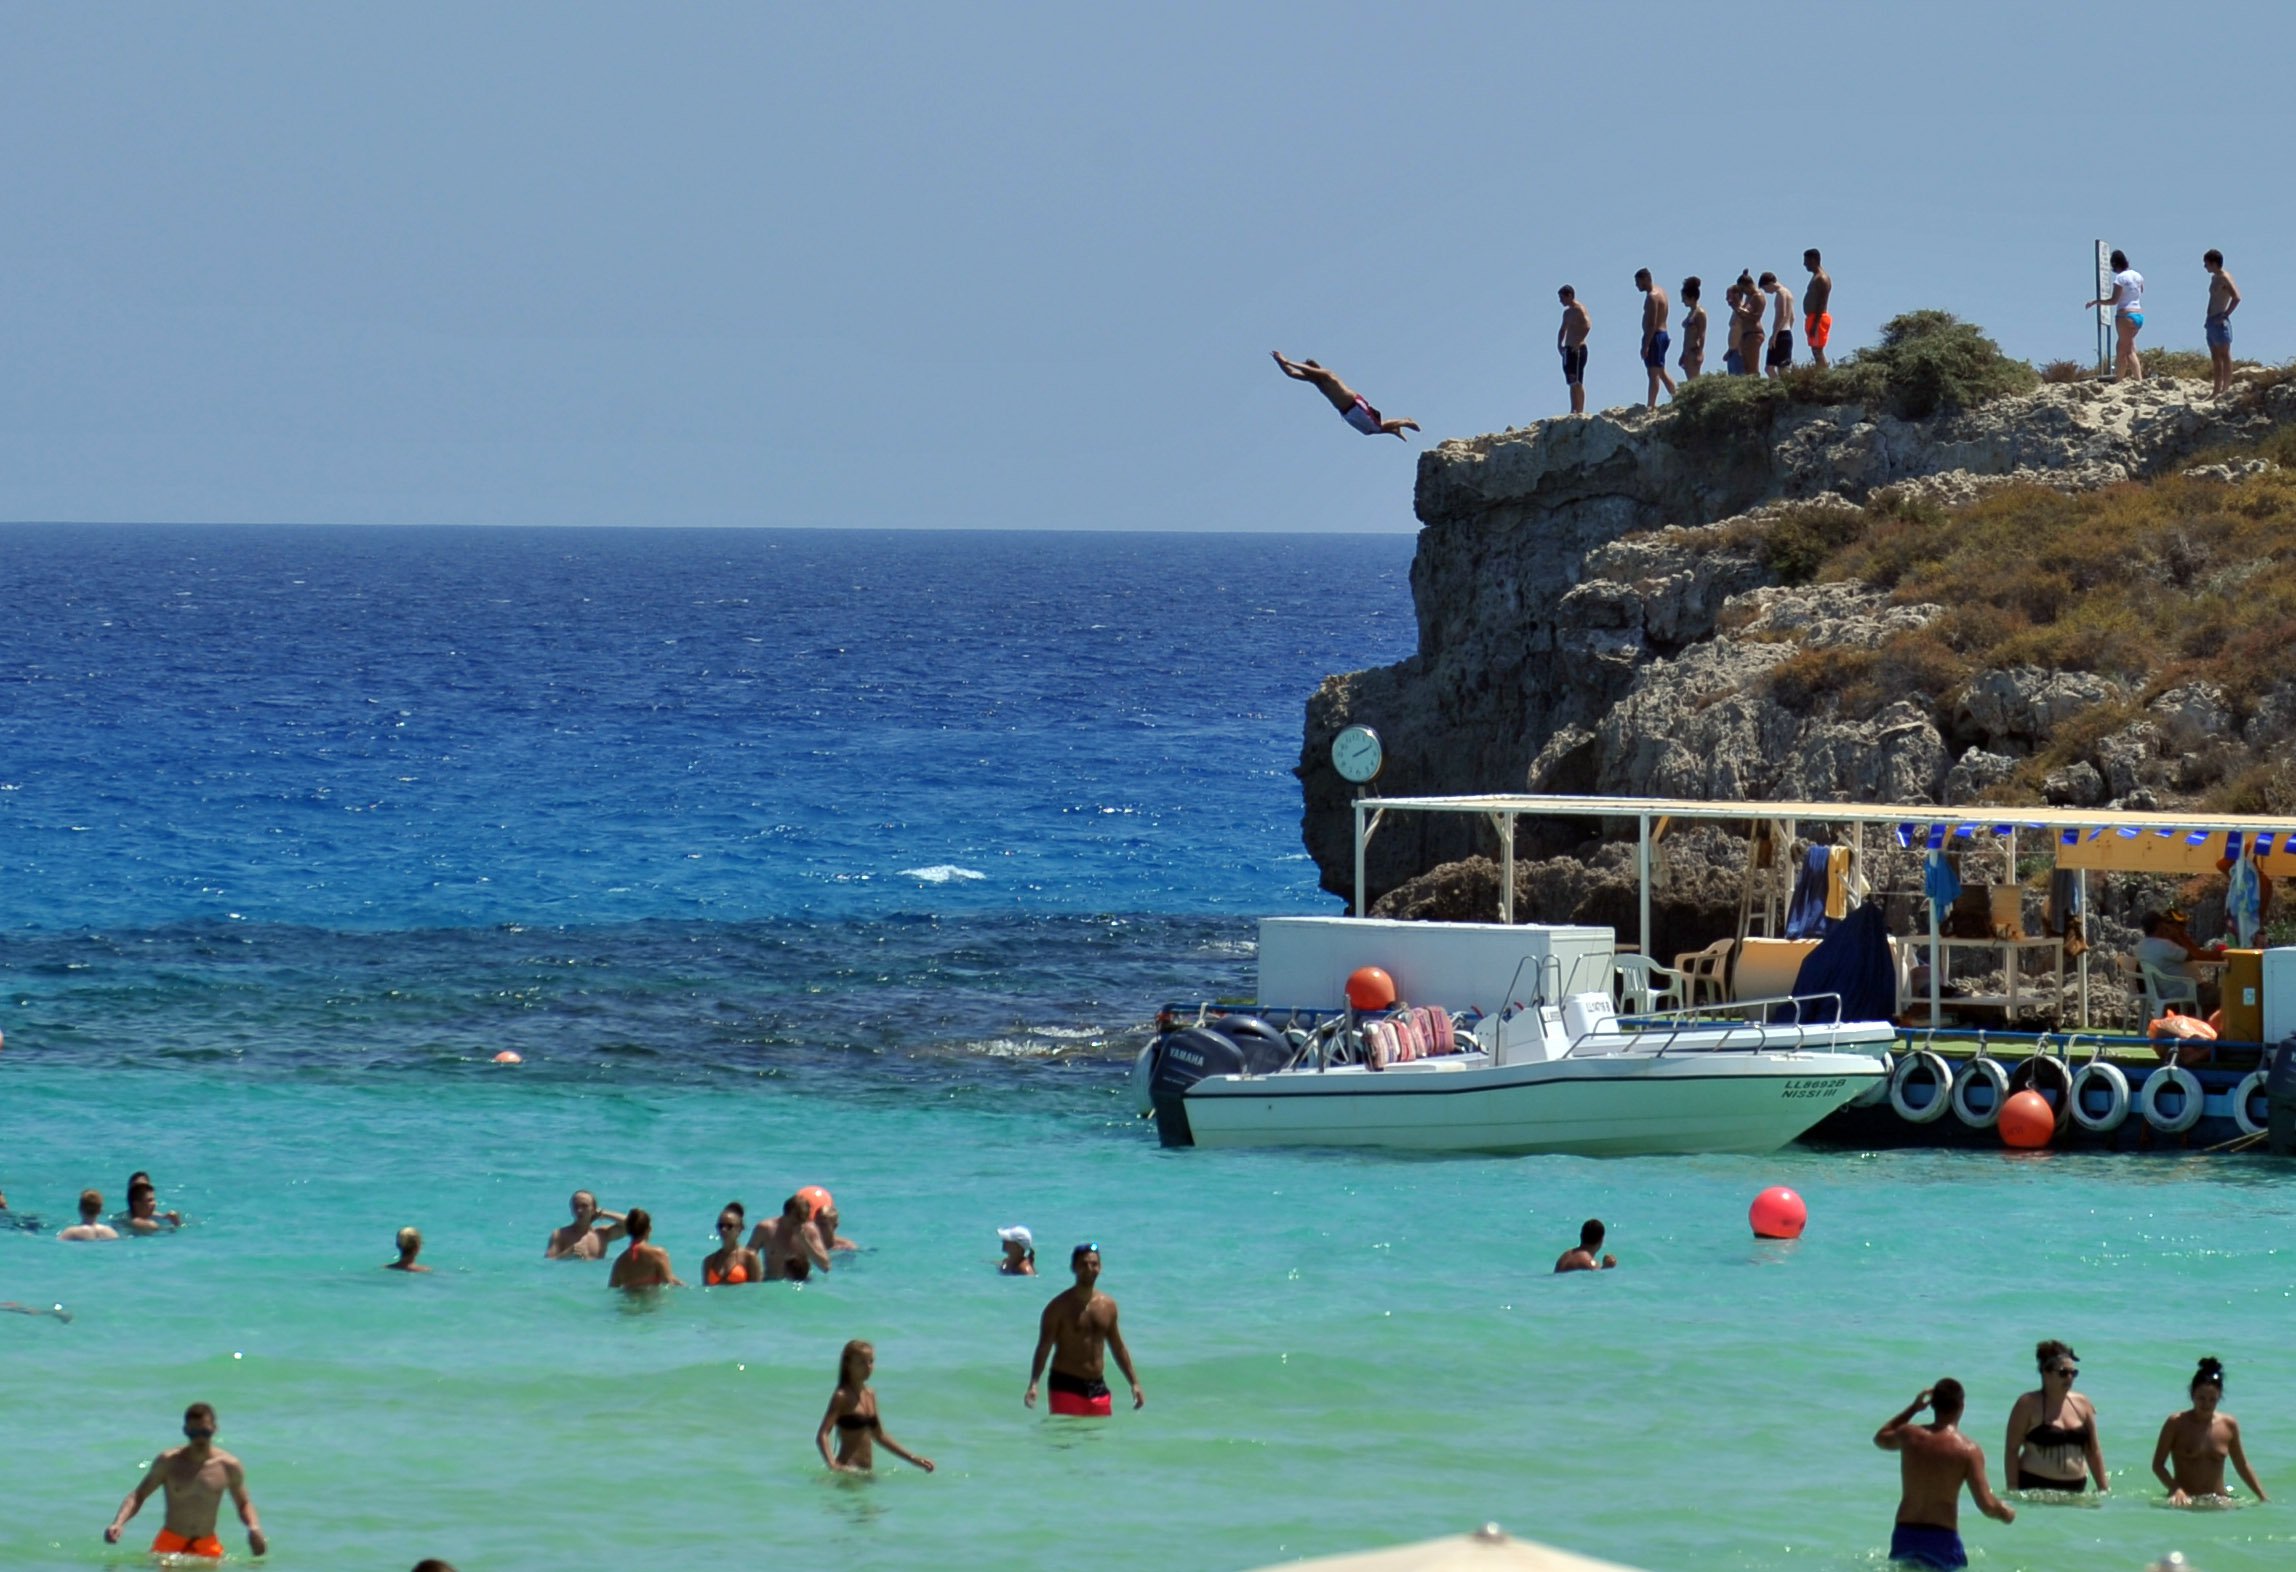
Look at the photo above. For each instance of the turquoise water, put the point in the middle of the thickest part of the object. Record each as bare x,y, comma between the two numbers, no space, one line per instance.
865,860
1338,1351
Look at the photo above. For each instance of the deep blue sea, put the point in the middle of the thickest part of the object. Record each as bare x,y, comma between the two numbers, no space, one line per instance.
864,860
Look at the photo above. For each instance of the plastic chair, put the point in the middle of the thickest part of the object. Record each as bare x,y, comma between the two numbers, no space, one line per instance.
1644,986
2163,989
1703,973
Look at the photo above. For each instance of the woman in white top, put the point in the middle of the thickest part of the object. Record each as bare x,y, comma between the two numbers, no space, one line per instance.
2127,301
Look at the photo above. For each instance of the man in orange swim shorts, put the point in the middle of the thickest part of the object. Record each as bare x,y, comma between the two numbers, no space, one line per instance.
1078,1330
196,1476
1817,298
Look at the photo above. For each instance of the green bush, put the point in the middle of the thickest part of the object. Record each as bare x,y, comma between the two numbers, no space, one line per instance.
1717,411
1932,362
1800,539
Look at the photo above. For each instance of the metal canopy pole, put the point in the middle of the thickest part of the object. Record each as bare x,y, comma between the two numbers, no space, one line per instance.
1364,830
1936,965
2084,961
1642,874
1504,823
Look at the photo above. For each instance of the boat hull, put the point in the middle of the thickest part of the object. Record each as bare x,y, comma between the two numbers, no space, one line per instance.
1613,1106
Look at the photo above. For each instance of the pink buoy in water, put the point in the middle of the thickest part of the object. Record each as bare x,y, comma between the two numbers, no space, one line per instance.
1778,1213
508,1056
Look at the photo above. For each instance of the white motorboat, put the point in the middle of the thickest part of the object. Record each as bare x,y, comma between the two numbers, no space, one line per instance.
1573,1078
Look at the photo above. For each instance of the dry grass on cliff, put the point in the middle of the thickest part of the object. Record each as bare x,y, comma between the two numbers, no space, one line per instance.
2157,583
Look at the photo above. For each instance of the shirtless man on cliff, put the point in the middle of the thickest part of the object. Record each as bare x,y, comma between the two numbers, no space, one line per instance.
1078,1329
2223,300
1781,358
1817,303
1655,339
1570,341
196,1477
585,1238
1934,1462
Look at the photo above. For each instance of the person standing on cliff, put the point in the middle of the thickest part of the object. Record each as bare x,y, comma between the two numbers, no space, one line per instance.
1570,341
1749,325
2128,303
1655,339
1781,358
2223,300
1350,404
1732,331
1693,330
1817,299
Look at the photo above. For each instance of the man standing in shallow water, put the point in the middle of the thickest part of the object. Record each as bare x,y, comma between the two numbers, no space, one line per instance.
585,1238
1934,1462
195,1475
1078,1330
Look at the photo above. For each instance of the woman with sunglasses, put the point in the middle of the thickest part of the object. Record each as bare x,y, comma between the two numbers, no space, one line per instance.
732,1262
2198,1441
2053,1441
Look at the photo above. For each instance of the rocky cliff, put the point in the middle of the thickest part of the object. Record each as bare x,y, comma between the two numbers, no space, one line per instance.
1629,604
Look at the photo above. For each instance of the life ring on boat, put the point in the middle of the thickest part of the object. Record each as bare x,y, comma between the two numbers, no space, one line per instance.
2028,1076
1878,1093
2148,1099
1928,1063
1995,1076
2108,1075
2251,1089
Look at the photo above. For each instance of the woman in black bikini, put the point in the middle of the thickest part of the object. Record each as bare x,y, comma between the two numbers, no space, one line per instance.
2053,1441
853,1415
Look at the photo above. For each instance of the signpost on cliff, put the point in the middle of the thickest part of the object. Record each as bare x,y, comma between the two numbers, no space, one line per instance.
2104,312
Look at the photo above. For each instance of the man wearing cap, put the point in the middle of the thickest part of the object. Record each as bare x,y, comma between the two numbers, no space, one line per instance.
1019,1252
1078,1330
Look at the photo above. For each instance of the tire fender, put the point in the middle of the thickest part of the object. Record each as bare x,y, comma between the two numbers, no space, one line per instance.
2100,1072
2148,1099
1995,1076
1928,1063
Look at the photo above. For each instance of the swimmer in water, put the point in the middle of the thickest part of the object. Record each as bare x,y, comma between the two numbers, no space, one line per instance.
585,1238
1077,1331
91,1225
1584,1258
143,1213
58,1311
2198,1441
197,1476
410,1246
852,1415
732,1262
643,1265
1019,1252
825,1232
2053,1442
789,1241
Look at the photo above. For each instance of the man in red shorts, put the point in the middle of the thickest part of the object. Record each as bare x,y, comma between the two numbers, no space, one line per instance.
1817,303
196,1476
1078,1329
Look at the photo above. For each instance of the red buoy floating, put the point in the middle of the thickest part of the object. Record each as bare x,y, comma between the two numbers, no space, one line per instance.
1369,988
1778,1213
2027,1120
508,1056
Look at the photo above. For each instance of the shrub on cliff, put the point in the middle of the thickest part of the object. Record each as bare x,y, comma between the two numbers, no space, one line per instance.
1927,363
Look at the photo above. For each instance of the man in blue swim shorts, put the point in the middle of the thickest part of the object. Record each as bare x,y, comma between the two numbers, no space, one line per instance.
1570,340
1655,340
1934,1462
2223,300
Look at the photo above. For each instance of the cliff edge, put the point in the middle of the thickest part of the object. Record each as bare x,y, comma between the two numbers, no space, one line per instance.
2051,596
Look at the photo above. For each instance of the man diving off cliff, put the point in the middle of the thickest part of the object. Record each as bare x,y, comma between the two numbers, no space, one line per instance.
1346,400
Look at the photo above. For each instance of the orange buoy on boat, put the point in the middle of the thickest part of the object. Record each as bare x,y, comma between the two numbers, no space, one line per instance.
2027,1120
1369,988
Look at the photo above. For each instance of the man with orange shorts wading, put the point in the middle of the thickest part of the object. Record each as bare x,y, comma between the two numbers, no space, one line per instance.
1078,1329
1817,298
195,1476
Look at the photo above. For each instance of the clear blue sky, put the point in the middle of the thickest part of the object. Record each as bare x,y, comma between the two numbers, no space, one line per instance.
1021,266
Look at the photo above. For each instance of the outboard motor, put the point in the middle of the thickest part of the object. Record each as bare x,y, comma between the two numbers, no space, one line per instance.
1231,1045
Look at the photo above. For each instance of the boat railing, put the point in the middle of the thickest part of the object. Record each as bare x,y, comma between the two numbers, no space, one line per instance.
1717,1031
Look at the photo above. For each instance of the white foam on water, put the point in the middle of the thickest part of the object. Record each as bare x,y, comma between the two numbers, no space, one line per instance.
942,873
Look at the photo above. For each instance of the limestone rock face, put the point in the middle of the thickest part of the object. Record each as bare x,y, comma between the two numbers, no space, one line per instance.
1590,621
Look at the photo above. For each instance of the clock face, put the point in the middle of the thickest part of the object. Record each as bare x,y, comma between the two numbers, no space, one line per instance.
1356,754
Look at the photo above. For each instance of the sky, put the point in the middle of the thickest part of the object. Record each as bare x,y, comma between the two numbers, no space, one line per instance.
1017,266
